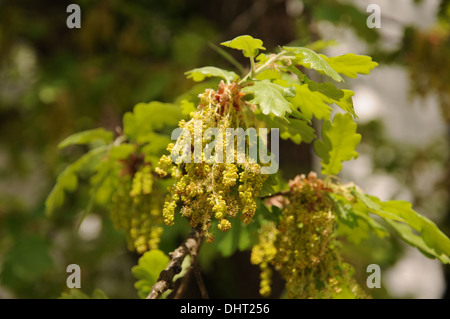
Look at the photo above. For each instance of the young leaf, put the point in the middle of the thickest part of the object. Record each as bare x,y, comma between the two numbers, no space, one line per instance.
74,294
341,144
148,118
78,294
187,107
294,129
268,186
148,269
247,44
200,74
328,89
88,137
323,147
312,60
351,64
346,102
104,182
330,94
121,151
412,227
270,97
354,219
67,181
319,45
310,103
269,74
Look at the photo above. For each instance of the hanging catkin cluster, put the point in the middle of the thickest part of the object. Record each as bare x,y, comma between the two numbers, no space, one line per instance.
136,209
302,246
210,186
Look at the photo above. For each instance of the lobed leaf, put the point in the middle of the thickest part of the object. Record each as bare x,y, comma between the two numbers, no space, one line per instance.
323,147
330,94
354,219
310,59
339,145
148,118
247,44
78,294
346,102
350,64
271,97
293,129
269,185
88,137
148,269
413,228
67,181
200,74
328,89
310,103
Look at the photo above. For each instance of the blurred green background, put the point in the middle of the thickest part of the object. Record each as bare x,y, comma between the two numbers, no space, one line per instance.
55,81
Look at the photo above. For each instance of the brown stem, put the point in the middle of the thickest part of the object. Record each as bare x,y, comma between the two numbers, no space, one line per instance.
190,246
282,193
201,283
183,285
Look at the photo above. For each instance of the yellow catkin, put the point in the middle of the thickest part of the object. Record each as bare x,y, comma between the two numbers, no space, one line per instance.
302,247
208,190
136,209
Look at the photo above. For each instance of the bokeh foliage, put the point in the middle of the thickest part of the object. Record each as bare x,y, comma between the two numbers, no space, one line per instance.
55,81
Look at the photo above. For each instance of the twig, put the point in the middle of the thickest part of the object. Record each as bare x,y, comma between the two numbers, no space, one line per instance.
200,283
282,193
247,17
190,246
228,57
193,271
183,286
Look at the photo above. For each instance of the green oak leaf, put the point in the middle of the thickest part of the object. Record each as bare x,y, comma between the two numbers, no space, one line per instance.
269,74
104,182
323,147
412,227
148,119
346,102
27,260
310,103
67,181
187,107
247,44
88,137
148,269
310,59
271,97
351,64
319,45
330,94
328,89
293,129
354,220
269,185
200,74
121,151
341,144
78,294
